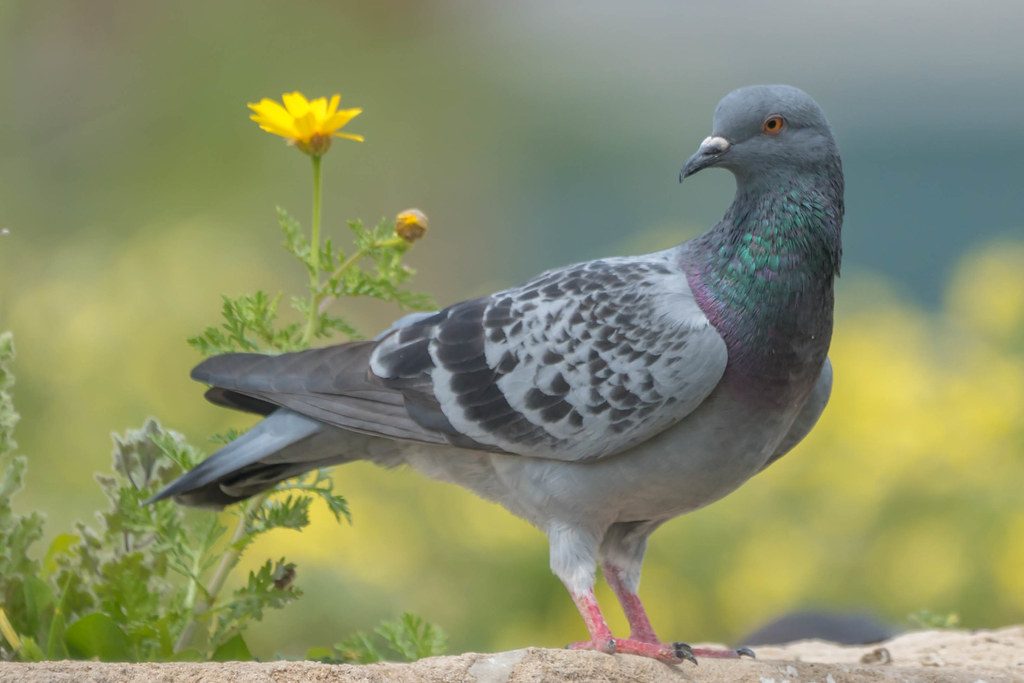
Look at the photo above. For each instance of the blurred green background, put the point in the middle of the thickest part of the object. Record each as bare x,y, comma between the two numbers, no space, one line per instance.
534,134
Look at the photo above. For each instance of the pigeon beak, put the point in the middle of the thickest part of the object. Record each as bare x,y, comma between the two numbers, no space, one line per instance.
709,152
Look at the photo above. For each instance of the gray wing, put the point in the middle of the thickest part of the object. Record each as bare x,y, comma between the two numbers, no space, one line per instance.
579,363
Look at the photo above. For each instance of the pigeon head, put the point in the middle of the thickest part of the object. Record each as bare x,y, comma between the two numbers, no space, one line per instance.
763,131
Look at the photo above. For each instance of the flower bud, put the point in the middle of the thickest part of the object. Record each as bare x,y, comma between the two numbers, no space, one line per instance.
411,225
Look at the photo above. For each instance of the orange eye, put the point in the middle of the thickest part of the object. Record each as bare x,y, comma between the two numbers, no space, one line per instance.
773,125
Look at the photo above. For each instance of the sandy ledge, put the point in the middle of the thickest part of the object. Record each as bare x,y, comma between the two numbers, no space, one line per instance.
929,656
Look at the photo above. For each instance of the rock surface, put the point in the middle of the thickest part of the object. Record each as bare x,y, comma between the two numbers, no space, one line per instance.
929,656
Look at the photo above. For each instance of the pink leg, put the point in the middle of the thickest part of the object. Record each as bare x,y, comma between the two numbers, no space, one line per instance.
600,635
601,638
639,625
641,630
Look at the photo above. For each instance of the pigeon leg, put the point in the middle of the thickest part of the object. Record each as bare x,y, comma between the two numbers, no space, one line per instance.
622,551
639,624
572,560
601,638
642,639
642,633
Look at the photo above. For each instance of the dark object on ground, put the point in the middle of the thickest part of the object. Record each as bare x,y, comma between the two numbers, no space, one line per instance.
845,629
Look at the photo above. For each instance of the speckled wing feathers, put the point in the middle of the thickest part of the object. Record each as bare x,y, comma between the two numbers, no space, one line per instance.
579,363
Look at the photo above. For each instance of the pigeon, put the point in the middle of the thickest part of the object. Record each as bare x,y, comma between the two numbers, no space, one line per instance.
596,401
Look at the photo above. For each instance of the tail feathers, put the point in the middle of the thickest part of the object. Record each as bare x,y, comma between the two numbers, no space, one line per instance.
332,384
325,369
278,447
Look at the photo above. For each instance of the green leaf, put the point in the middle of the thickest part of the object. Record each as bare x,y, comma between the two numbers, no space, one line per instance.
30,651
412,637
39,603
170,444
18,533
62,544
330,323
249,325
234,650
11,480
337,505
96,635
56,643
291,513
8,417
358,648
925,619
294,238
187,655
268,588
321,654
320,483
226,436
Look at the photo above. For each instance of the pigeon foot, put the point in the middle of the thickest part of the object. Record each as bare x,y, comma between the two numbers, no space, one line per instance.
607,646
670,653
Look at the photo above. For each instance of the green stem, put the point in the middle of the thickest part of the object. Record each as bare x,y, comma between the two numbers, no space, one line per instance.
8,631
363,252
191,594
58,622
348,262
314,271
220,575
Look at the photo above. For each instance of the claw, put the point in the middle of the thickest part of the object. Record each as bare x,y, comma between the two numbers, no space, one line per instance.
683,651
746,652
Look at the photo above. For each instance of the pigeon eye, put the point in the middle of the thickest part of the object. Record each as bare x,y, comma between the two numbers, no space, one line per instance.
773,125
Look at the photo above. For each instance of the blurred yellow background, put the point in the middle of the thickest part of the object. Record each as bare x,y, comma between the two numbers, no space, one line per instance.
534,134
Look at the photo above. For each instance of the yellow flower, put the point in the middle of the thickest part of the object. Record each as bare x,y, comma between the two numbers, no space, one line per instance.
307,125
